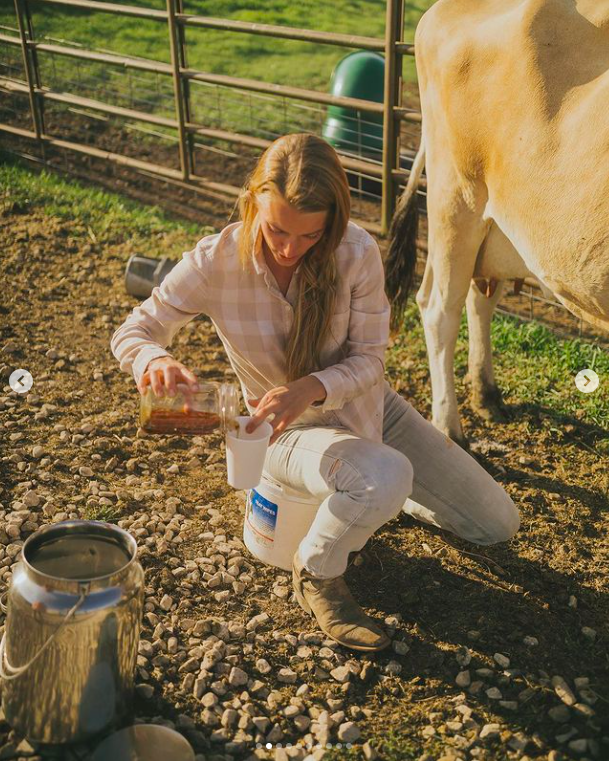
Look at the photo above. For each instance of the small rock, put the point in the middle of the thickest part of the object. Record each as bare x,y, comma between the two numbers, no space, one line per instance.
531,641
463,679
209,700
493,693
263,666
370,754
561,714
562,689
237,677
518,741
588,696
256,621
393,668
31,498
589,633
584,710
287,676
85,471
502,660
399,647
229,717
342,674
275,735
579,746
348,732
25,748
166,603
302,723
454,726
262,723
367,672
490,731
190,665
145,691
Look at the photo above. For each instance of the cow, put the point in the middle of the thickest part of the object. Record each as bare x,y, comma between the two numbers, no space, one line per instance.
515,143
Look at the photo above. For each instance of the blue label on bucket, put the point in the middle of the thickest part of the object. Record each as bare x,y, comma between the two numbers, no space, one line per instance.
262,516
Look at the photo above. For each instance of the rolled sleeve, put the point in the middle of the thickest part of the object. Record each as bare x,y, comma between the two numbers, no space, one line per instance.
151,327
368,336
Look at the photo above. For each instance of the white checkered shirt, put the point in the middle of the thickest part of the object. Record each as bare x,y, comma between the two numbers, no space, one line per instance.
253,319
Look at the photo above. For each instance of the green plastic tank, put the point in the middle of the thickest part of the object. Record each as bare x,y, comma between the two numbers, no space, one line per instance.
358,75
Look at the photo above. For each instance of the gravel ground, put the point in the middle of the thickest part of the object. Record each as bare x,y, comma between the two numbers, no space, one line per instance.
498,653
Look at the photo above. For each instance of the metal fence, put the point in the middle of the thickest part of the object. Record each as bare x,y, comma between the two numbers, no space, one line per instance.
58,93
180,89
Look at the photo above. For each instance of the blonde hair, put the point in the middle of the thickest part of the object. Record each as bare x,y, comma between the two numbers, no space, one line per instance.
305,171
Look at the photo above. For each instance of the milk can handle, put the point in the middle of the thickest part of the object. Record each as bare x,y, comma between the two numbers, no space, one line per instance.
11,672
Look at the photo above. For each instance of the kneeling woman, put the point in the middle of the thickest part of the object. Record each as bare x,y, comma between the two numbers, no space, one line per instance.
296,294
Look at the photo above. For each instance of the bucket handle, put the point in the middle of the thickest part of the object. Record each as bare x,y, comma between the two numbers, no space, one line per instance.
7,671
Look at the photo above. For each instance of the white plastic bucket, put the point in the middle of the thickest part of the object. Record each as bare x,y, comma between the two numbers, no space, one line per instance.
277,519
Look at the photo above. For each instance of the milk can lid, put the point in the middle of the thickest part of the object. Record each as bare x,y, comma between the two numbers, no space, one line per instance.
144,742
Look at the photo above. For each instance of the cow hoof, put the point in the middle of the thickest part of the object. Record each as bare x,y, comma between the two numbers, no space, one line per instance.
489,405
492,413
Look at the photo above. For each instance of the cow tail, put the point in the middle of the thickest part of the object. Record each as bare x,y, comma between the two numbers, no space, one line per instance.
401,259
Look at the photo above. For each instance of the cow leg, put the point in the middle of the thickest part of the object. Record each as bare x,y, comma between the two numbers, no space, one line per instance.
455,237
486,396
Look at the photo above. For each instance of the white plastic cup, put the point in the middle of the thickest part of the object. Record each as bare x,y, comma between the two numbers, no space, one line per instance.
245,453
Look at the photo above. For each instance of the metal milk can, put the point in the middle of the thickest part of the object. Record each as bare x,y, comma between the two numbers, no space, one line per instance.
68,654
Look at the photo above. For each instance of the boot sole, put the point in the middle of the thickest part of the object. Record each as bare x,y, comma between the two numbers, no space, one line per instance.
361,648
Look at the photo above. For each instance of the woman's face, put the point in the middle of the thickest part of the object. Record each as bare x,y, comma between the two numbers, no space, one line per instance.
288,233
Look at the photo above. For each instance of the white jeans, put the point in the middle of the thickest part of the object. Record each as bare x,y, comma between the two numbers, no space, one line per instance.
363,484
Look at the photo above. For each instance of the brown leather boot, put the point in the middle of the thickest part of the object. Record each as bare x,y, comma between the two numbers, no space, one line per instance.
336,611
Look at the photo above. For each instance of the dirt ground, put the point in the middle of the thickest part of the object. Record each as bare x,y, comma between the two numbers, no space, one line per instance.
517,617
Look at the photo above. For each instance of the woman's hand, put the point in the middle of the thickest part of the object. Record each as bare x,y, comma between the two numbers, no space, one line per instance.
287,403
163,375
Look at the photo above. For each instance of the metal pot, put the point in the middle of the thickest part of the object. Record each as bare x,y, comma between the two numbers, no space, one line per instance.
68,654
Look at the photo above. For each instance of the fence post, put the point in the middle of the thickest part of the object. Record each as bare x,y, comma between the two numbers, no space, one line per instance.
30,63
392,95
190,138
177,51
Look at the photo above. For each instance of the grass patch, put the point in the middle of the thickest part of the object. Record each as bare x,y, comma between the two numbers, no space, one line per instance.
106,513
392,746
546,369
108,216
534,367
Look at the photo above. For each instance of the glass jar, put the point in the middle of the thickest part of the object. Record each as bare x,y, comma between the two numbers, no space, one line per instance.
213,407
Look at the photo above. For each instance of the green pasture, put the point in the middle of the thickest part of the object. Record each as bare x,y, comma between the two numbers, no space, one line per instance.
282,61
